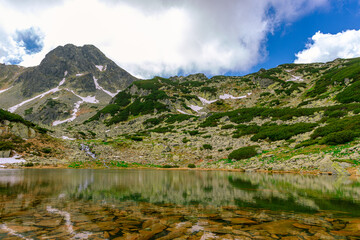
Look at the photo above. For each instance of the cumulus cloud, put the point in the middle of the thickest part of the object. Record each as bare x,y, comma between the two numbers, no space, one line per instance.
327,47
156,37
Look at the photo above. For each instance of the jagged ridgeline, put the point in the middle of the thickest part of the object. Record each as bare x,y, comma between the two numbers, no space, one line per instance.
70,83
316,101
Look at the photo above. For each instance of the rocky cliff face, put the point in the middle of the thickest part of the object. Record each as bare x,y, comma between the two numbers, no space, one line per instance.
80,79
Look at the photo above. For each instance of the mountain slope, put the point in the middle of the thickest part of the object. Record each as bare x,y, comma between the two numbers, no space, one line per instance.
296,109
70,82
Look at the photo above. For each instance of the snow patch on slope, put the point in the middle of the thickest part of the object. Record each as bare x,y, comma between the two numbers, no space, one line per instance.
228,96
195,108
180,111
67,138
88,99
54,90
4,90
101,68
295,79
204,101
11,160
102,89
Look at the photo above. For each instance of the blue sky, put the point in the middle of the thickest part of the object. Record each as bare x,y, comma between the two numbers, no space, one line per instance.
289,39
180,37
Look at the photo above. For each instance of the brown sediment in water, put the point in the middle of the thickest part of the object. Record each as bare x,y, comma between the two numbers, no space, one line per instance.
168,221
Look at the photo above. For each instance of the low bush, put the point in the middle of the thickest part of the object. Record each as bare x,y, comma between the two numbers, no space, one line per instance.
46,150
163,129
207,146
350,94
6,146
136,138
191,165
337,138
306,143
243,153
185,140
172,118
228,126
29,164
193,132
282,132
170,166
264,94
152,84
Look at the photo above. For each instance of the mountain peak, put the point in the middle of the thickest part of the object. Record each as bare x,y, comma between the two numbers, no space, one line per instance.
73,60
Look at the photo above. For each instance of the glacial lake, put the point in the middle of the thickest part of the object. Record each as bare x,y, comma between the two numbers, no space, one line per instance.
176,204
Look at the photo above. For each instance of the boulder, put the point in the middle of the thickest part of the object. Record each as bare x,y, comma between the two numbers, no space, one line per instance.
5,153
326,165
23,131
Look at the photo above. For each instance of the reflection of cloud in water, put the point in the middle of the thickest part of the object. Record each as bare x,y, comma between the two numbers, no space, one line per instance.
11,177
11,232
69,224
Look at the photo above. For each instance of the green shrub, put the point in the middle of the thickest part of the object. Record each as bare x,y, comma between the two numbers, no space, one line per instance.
338,125
334,113
163,129
207,146
350,94
282,132
274,102
172,118
12,117
6,146
28,164
169,166
29,111
264,94
306,143
243,153
152,84
193,132
122,99
185,140
152,121
156,95
337,138
350,70
191,165
193,83
228,126
357,111
136,138
211,90
46,150
92,133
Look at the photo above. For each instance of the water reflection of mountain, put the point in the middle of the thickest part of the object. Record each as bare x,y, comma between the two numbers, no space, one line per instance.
275,192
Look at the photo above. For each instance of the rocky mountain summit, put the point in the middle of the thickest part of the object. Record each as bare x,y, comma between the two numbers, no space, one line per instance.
70,83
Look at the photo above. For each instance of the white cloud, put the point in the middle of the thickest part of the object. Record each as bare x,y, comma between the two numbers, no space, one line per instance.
156,37
327,47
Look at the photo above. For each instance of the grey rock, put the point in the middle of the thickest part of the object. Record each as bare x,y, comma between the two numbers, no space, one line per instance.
5,153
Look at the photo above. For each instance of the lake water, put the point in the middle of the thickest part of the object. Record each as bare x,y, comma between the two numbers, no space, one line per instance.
176,204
